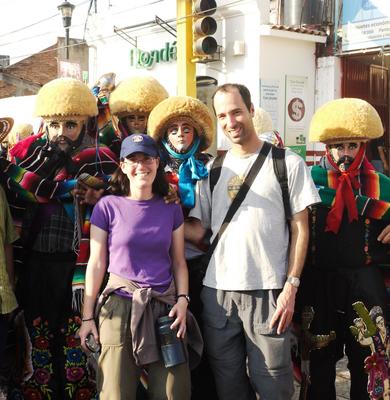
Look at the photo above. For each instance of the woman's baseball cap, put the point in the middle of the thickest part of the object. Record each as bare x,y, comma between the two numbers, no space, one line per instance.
139,143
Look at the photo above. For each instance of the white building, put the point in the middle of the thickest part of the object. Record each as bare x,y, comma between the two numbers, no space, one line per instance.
276,63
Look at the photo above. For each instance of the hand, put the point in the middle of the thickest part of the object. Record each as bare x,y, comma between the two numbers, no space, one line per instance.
384,236
86,328
180,311
284,308
172,196
88,195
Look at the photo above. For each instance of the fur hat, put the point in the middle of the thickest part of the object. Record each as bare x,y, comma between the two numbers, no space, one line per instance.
262,121
65,97
182,107
20,132
345,120
5,127
137,94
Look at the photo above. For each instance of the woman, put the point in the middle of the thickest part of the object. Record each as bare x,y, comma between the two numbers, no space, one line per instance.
145,241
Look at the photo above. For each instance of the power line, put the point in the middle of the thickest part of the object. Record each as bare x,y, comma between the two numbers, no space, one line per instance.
38,22
234,2
73,26
28,26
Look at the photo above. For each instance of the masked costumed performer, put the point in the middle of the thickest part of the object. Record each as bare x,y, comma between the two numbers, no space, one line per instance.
348,241
55,228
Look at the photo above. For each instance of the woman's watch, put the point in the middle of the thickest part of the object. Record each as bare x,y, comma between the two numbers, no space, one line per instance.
185,296
293,281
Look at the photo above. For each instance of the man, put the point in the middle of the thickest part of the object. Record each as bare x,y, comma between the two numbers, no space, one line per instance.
349,233
252,278
184,127
131,103
55,233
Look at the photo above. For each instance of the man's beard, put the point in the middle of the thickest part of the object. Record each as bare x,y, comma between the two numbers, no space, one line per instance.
345,162
62,143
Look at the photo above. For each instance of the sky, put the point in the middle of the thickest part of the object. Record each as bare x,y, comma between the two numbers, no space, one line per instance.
19,40
30,26
46,21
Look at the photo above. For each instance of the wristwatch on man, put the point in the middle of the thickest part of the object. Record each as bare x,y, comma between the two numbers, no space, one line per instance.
293,281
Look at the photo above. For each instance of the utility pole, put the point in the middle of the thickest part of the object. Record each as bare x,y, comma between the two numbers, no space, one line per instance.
186,69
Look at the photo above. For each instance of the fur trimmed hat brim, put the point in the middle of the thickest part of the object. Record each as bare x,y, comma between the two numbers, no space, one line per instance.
65,97
182,107
136,95
344,120
5,127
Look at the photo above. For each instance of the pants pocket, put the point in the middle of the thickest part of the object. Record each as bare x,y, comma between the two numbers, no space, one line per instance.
264,308
214,314
114,321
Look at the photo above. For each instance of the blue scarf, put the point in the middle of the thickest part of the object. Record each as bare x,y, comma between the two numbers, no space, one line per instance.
191,170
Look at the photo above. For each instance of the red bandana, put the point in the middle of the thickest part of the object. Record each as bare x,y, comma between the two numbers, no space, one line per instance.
347,182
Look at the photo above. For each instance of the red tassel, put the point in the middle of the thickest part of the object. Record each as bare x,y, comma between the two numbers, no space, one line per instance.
20,149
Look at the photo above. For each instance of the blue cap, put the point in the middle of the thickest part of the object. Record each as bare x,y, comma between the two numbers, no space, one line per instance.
138,143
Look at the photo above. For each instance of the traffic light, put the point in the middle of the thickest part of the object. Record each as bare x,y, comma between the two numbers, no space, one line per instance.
204,26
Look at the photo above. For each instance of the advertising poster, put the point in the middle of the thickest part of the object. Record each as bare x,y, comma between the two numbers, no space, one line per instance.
269,99
295,120
365,23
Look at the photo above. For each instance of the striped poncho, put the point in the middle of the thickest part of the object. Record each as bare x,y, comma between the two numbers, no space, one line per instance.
26,182
372,197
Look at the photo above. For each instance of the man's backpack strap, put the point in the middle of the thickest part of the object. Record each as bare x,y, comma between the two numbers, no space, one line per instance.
215,171
280,168
240,196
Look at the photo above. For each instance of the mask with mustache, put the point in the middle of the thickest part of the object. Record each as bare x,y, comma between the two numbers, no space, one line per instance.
62,143
344,162
66,145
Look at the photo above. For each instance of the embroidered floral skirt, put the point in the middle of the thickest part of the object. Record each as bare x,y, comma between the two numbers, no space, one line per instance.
58,363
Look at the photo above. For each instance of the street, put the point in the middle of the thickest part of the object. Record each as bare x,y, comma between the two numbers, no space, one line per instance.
342,382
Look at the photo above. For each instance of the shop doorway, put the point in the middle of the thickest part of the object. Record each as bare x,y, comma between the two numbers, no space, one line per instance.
366,77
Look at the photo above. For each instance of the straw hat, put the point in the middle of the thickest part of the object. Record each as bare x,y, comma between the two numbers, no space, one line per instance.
63,98
184,108
344,120
262,121
137,94
19,132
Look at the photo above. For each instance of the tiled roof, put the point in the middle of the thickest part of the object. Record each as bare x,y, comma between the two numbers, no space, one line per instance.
299,29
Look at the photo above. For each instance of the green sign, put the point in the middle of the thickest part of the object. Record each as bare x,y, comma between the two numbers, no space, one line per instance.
148,59
300,150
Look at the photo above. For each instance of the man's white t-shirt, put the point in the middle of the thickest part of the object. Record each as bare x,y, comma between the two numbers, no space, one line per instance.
253,251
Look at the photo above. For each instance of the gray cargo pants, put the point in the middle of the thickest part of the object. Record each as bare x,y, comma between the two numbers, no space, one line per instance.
246,356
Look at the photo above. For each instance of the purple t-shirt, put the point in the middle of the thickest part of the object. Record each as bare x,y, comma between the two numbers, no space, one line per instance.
139,237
